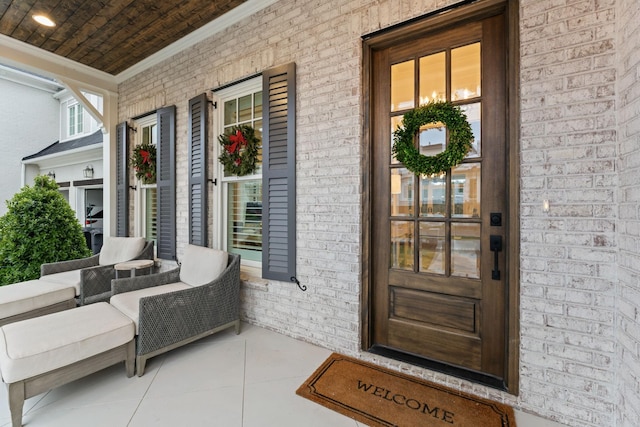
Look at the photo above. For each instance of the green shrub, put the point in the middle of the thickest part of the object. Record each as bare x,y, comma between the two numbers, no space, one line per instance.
39,227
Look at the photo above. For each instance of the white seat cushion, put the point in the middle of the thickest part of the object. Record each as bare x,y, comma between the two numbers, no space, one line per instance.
31,295
35,346
202,265
70,278
120,249
129,302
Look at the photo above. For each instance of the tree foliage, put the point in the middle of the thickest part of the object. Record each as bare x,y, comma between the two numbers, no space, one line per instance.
39,227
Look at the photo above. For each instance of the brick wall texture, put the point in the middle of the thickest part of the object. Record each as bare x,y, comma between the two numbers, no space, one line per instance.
579,148
628,295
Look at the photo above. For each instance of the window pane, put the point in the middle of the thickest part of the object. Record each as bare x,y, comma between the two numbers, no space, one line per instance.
402,245
465,193
432,196
396,121
80,119
230,114
257,104
244,108
402,78
72,120
465,72
257,126
433,138
402,200
465,250
433,81
472,111
244,219
432,247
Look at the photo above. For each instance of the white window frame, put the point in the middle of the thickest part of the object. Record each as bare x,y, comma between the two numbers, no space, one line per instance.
75,111
140,200
220,232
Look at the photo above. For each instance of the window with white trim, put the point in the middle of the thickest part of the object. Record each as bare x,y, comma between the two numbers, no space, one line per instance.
146,206
241,207
75,114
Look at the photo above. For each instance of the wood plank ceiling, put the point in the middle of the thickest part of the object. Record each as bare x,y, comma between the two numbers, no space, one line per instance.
109,35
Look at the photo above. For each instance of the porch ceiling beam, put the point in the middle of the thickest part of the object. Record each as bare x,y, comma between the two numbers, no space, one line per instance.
39,61
75,88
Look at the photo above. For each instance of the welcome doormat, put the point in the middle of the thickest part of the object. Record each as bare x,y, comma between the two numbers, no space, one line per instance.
381,397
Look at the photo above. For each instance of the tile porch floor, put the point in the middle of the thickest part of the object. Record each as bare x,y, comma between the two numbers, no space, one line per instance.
225,380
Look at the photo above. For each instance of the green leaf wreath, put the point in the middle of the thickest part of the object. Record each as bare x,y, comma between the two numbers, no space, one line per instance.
143,162
239,150
460,138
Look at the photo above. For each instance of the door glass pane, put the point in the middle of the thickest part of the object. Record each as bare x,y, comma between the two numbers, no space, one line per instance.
432,196
465,72
402,245
465,250
465,192
433,81
402,78
432,246
472,111
433,139
396,121
402,199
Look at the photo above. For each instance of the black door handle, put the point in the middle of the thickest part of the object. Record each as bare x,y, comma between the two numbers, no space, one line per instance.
495,245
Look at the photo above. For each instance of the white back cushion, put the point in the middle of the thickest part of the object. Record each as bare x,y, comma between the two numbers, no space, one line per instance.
202,265
120,249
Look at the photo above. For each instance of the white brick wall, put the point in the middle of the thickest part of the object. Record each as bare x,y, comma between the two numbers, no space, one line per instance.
628,320
570,304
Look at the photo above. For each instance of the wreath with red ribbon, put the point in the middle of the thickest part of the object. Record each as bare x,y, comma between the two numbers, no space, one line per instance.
239,150
143,162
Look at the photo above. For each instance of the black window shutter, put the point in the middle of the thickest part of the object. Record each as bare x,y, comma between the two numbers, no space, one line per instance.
166,183
122,180
198,119
279,173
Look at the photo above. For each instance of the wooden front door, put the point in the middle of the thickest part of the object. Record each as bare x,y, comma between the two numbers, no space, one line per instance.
438,270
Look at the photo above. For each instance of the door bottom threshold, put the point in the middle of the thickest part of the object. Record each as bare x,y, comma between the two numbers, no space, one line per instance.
455,371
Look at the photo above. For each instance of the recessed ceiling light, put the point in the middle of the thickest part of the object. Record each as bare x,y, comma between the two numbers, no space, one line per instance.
44,20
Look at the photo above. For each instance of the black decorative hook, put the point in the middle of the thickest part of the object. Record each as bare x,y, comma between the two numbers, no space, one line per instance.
303,288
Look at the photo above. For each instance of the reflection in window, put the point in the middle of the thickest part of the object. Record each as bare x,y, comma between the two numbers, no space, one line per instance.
465,250
465,191
472,111
432,196
402,78
402,245
433,138
402,200
432,247
433,78
465,72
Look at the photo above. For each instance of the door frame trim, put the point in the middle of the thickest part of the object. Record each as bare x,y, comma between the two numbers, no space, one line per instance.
433,22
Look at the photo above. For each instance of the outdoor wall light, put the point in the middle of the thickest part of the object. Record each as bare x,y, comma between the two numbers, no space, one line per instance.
88,171
51,175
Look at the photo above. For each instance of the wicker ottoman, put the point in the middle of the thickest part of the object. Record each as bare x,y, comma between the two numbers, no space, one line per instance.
39,354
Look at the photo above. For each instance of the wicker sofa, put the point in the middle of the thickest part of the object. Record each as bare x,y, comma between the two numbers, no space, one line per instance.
176,307
92,276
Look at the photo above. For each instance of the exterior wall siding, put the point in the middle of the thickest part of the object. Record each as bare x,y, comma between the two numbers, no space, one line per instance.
570,303
29,122
628,319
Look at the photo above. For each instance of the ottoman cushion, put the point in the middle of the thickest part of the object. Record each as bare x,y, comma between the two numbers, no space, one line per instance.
31,295
39,345
69,278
